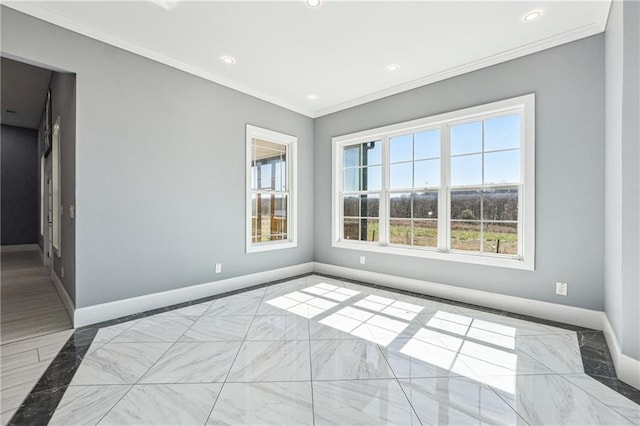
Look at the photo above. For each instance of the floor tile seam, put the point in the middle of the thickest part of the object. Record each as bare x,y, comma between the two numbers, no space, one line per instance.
495,392
162,355
415,412
133,322
110,408
37,337
29,364
3,356
313,406
597,398
239,349
215,401
27,381
3,390
226,377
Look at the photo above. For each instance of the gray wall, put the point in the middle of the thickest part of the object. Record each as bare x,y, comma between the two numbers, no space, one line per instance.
160,171
20,170
569,85
63,105
622,156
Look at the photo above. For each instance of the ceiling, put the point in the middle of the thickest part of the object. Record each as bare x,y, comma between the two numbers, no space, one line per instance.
24,91
340,51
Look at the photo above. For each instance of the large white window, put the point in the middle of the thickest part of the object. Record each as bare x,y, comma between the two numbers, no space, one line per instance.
458,186
271,190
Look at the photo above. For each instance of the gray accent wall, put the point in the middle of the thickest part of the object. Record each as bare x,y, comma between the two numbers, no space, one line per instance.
622,182
568,82
159,163
20,171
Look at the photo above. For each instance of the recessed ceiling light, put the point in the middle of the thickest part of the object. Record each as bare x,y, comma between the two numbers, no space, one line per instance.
393,67
312,97
313,3
228,59
532,16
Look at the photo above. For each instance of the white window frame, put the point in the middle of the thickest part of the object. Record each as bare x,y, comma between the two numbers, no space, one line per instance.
56,176
292,180
525,106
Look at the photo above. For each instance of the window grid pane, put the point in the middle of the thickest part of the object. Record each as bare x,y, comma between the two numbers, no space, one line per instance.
415,160
485,221
413,219
269,216
486,152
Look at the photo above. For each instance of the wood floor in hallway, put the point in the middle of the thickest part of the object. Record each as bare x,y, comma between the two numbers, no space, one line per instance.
30,306
34,326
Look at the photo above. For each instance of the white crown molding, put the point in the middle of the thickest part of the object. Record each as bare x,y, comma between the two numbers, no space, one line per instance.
66,300
40,12
45,14
566,37
107,311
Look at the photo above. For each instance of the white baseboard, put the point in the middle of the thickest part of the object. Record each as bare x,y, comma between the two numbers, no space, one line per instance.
627,368
19,247
545,310
120,308
66,300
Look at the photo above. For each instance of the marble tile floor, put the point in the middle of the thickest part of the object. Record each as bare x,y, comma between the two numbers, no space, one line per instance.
319,350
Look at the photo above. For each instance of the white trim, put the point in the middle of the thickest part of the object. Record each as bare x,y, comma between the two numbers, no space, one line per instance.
523,105
66,300
291,142
120,308
40,12
627,368
56,178
48,15
545,310
19,247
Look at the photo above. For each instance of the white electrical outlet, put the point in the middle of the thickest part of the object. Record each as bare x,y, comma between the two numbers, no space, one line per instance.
362,260
561,288
218,268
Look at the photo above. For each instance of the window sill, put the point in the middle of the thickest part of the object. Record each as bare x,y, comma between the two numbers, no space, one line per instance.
268,246
453,256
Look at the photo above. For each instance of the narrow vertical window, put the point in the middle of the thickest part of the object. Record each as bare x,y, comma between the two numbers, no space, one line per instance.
362,168
271,184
